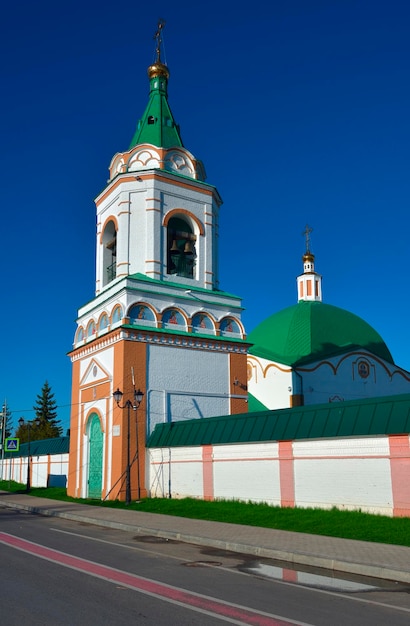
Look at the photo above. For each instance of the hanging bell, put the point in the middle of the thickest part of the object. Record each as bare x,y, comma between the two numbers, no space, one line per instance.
188,248
174,247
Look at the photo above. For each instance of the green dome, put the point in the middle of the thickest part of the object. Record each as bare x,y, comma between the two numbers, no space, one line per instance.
311,331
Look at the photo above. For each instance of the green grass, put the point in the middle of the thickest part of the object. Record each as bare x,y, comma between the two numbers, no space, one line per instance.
333,523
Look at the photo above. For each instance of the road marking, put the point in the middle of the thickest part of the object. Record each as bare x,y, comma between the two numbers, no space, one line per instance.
233,613
298,585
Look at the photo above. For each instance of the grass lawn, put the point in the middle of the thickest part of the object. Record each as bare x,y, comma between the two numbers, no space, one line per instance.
333,523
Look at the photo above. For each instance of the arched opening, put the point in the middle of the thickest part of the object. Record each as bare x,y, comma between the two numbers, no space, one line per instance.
202,323
109,242
117,314
181,248
141,314
95,456
91,328
103,323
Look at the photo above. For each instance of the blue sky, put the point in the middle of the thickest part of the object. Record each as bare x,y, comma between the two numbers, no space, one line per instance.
299,111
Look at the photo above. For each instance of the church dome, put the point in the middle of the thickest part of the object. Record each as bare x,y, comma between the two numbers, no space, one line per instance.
311,331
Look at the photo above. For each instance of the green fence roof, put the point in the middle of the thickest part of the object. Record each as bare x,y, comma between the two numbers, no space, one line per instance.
57,445
388,415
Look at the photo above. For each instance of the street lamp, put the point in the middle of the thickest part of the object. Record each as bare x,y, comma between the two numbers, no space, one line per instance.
3,423
29,425
138,395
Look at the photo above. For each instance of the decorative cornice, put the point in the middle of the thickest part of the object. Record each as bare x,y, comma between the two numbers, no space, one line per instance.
96,345
182,341
163,338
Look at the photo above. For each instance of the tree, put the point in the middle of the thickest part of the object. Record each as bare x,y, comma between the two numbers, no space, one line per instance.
45,425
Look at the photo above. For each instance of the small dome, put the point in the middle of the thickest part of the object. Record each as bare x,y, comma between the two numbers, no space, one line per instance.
311,331
158,69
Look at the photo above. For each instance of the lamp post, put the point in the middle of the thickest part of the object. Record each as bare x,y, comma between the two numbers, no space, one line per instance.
138,395
29,425
3,424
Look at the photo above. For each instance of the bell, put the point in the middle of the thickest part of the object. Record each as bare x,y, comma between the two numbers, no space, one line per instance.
174,247
188,248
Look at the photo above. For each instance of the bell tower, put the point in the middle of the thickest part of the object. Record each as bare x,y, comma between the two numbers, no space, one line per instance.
158,321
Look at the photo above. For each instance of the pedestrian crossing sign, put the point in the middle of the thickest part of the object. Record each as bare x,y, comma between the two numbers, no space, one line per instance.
12,444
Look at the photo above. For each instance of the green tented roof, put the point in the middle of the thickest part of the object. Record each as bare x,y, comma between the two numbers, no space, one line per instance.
388,415
57,445
311,331
157,125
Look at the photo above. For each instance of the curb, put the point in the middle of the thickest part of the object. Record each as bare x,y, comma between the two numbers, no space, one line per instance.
296,558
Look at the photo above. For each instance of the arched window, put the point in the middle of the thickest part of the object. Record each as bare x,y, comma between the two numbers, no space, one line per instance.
103,322
91,328
109,241
80,334
181,248
202,324
141,314
117,314
230,327
173,320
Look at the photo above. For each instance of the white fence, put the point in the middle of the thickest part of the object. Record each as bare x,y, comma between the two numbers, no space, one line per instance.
371,474
48,470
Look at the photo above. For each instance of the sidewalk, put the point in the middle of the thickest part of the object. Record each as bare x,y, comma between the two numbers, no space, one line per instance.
343,555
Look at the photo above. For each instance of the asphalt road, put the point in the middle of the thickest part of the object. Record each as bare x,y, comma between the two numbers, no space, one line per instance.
60,572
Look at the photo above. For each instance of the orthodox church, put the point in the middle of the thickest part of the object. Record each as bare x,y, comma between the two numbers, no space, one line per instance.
313,352
161,345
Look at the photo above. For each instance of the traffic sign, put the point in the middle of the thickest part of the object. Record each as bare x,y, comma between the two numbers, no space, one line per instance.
12,444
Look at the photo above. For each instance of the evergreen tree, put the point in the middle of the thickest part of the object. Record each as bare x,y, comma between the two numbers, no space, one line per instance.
46,424
22,432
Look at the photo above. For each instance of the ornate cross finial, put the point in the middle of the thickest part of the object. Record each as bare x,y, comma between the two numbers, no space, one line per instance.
306,233
157,36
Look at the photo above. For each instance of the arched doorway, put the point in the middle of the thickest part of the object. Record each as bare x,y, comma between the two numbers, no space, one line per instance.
95,456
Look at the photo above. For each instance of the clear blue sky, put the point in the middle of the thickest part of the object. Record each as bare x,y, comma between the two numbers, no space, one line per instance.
298,109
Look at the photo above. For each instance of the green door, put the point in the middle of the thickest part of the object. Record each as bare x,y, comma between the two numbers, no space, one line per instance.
95,443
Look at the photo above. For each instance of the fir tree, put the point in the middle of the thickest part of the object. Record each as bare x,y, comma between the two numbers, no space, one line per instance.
46,425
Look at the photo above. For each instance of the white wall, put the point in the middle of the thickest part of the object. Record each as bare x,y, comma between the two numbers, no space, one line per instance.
351,473
185,384
334,379
41,468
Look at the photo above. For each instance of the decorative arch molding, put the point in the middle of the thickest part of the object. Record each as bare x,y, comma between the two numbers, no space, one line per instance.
143,158
90,413
276,366
91,328
230,325
207,313
334,367
111,218
103,321
80,334
116,317
177,212
254,362
399,372
117,165
203,322
174,316
144,305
